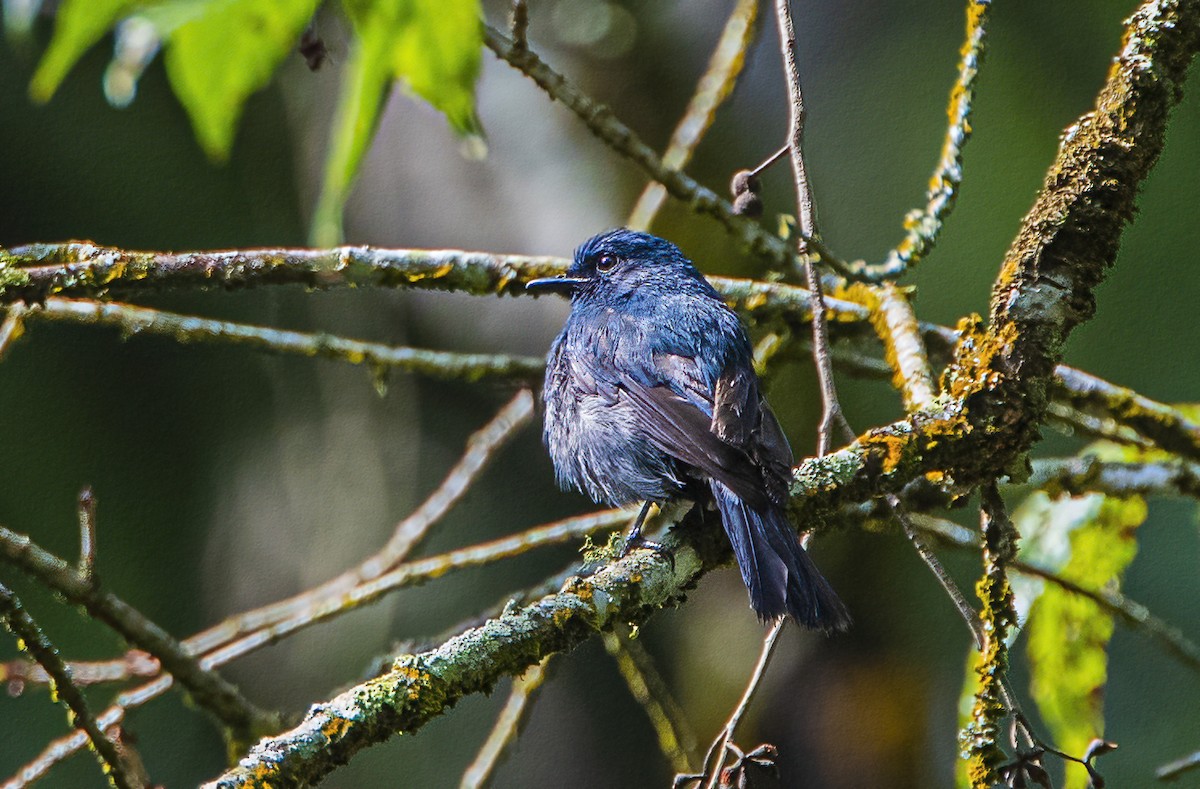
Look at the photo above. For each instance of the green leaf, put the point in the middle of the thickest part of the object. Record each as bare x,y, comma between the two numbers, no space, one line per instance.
437,53
433,47
78,25
1068,634
216,60
365,79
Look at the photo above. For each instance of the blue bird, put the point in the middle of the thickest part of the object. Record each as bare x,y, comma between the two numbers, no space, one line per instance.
651,395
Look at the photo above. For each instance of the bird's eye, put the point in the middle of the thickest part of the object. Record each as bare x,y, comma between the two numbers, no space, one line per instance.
606,261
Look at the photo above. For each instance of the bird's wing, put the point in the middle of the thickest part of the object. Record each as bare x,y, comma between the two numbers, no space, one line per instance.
742,417
675,415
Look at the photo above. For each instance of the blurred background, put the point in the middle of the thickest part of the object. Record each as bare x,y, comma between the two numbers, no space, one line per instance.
228,479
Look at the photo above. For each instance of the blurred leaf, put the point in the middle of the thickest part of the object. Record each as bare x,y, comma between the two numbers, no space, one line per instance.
433,47
229,51
365,79
78,25
1068,635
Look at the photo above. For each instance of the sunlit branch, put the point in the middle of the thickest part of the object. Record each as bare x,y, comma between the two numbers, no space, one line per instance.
136,321
724,66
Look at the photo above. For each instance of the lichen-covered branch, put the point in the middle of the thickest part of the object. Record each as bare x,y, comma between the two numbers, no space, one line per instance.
1069,239
1088,474
422,686
1167,427
981,736
923,225
903,347
140,321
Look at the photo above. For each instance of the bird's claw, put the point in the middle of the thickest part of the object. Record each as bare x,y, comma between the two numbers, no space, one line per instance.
638,541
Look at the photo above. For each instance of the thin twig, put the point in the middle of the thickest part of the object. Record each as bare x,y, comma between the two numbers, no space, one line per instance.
724,66
209,690
34,642
1172,770
923,225
87,536
968,614
217,645
1130,613
719,749
806,219
648,688
623,140
1163,424
58,750
518,24
508,724
136,321
1089,474
323,601
134,663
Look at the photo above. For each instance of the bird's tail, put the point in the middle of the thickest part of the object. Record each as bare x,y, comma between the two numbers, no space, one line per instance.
777,571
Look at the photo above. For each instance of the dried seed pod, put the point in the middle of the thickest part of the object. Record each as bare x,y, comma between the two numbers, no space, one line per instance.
744,182
748,204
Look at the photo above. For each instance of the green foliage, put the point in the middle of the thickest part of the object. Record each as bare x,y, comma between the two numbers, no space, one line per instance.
1089,541
219,52
251,37
433,47
78,25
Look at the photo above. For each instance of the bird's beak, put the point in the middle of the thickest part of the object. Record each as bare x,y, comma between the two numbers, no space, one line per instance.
563,285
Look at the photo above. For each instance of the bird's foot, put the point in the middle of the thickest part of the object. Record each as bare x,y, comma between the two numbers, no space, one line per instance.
638,541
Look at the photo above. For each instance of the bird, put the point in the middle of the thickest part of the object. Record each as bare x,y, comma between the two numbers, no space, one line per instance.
650,395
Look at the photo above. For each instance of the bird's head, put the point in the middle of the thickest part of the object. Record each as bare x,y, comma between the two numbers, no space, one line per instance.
619,262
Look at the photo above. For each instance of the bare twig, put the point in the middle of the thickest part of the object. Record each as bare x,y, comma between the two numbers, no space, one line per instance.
922,226
136,321
518,24
134,663
87,536
70,744
601,122
715,758
968,614
1130,613
242,634
504,731
270,622
1172,770
724,66
35,643
209,690
806,219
